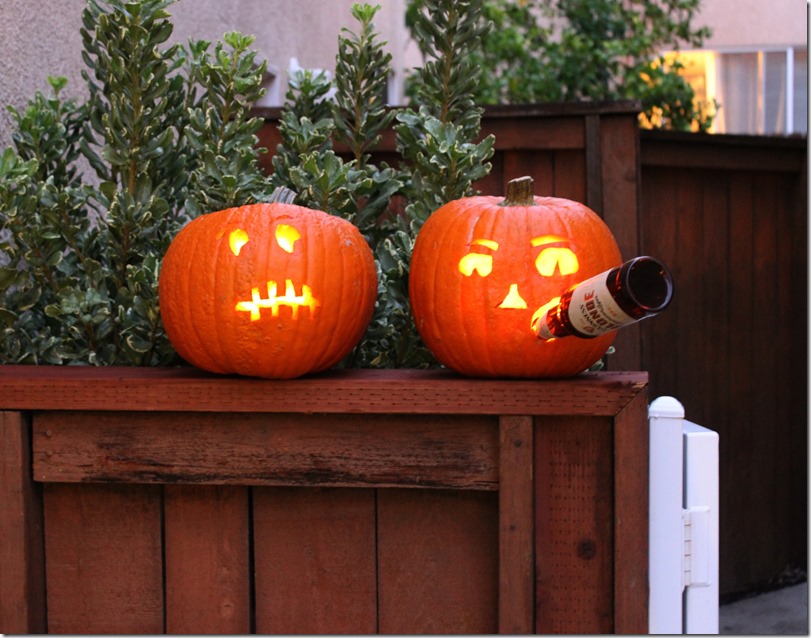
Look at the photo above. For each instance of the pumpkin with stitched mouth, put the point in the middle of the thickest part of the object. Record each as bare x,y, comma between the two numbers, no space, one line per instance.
485,269
271,290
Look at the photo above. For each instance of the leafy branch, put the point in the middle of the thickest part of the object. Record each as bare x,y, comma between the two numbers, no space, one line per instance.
166,131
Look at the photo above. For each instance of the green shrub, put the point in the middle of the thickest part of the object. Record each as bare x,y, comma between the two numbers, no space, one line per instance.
168,135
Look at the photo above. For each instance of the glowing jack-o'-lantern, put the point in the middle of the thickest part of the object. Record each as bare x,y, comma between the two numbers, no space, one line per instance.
484,269
271,290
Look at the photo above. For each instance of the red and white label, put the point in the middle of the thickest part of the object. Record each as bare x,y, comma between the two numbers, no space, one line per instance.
593,310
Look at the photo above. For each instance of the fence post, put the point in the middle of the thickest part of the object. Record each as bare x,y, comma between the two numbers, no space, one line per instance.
666,545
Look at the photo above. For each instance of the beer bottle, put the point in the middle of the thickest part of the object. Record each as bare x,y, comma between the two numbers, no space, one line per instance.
639,288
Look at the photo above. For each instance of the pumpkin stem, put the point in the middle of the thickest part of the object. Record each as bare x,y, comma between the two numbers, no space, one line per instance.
520,192
282,195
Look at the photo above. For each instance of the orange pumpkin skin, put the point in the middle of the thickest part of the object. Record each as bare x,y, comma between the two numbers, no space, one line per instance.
268,290
460,315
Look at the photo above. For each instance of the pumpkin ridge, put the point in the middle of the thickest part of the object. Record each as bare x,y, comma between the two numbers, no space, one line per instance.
198,350
232,219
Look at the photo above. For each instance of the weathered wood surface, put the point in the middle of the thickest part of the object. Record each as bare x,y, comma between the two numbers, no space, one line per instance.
438,562
516,530
207,520
267,449
207,563
103,559
22,580
315,560
574,526
335,391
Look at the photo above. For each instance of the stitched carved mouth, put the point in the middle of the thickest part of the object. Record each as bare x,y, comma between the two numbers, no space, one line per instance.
275,301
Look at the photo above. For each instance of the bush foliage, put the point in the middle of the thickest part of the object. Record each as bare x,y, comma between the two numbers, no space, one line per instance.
168,134
576,50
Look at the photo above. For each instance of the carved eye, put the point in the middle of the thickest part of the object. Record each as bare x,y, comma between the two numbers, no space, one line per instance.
237,239
286,237
552,258
479,263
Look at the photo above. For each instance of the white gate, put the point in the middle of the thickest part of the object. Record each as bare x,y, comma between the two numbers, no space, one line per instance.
683,523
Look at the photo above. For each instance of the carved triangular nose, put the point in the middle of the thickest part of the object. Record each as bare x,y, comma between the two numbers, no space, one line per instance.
513,299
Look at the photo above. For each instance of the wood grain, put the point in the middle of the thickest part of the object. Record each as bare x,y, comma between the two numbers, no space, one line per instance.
103,559
260,449
207,562
516,614
574,530
437,562
22,568
631,486
315,561
402,391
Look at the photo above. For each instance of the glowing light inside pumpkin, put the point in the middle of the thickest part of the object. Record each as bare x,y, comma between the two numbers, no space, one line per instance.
513,299
552,258
540,315
480,263
274,301
237,239
286,237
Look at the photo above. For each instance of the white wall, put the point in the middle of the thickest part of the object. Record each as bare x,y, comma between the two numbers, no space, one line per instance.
754,23
41,37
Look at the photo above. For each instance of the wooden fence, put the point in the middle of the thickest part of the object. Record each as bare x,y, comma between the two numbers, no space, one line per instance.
728,215
169,500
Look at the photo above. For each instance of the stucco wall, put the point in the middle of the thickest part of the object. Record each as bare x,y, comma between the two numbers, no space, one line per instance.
41,37
754,23
37,39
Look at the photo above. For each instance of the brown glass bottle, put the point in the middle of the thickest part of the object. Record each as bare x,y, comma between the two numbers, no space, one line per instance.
639,288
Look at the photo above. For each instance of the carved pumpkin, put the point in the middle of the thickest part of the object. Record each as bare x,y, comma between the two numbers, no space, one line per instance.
484,269
270,290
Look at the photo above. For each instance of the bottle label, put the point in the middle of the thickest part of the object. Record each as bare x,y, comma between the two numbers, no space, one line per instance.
593,310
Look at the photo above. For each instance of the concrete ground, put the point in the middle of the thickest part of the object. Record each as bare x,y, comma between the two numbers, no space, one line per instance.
780,612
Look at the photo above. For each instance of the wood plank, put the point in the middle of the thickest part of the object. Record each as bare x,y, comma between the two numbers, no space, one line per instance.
103,559
535,132
206,548
620,198
658,230
631,485
437,562
764,498
403,391
691,293
793,309
22,568
259,449
570,175
795,239
538,165
761,153
738,462
594,170
574,525
516,502
315,561
712,410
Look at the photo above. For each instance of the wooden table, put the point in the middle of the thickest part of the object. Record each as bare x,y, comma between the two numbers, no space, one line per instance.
152,500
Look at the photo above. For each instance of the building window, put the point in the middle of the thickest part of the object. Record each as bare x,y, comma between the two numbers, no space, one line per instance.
760,92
